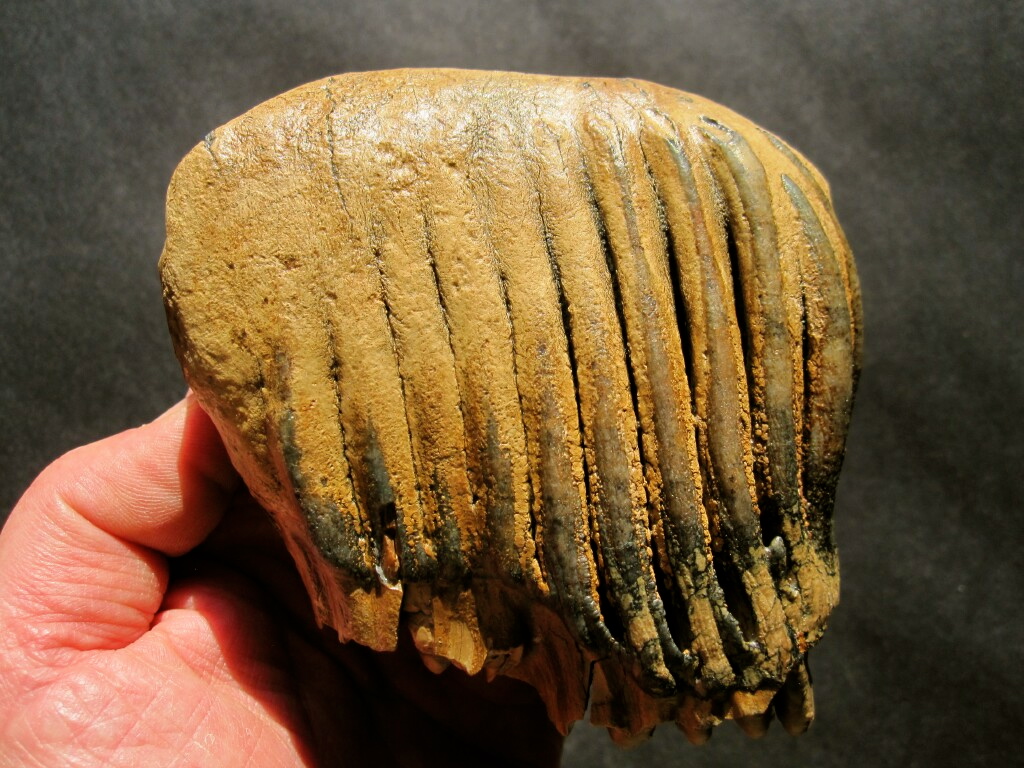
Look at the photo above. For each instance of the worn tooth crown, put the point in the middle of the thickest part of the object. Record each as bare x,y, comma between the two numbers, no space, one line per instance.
554,372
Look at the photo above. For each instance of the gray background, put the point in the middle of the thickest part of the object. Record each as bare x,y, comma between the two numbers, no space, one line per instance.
912,110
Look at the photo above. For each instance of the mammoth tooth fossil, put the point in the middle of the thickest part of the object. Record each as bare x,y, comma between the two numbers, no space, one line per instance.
554,374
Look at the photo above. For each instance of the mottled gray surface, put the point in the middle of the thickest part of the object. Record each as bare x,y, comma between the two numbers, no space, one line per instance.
912,110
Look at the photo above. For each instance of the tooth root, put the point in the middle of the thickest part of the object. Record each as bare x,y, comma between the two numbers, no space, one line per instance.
794,704
750,703
456,632
556,667
436,664
752,711
696,719
623,707
445,626
418,610
755,726
502,661
503,624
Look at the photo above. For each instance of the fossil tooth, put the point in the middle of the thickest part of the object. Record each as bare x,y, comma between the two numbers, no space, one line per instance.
554,374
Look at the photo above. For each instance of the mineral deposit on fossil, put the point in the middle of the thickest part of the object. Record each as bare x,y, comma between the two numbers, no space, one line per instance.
554,374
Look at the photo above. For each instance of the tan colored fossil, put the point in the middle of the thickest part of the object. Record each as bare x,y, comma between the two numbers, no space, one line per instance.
554,373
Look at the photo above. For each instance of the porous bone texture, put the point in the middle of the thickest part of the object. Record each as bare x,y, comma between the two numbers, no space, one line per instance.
554,374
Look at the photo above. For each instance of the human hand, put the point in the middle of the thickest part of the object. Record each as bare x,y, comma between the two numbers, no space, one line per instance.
149,616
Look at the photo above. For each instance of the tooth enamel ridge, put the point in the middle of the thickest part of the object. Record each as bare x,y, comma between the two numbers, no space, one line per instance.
554,374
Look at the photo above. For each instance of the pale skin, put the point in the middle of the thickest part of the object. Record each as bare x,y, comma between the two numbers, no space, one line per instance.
149,616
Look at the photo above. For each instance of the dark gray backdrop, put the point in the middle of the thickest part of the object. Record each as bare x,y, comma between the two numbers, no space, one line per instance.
913,111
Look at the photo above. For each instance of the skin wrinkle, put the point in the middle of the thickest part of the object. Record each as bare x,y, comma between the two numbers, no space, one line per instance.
88,493
57,703
35,597
213,670
223,675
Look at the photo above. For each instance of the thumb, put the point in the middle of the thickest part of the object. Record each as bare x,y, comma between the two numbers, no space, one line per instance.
83,555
